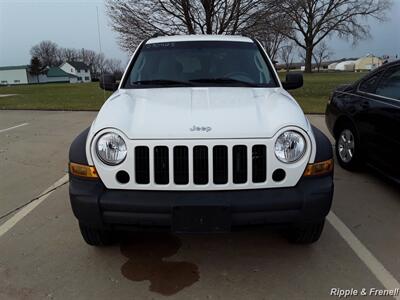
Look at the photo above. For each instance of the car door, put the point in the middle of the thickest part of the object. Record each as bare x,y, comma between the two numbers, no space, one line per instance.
364,106
386,115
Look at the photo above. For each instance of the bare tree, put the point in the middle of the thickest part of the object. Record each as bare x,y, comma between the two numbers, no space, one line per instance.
68,54
91,58
302,55
286,54
98,66
36,68
113,66
321,53
46,52
263,28
272,42
137,20
313,20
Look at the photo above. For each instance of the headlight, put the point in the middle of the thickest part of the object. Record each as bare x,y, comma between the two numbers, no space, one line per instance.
290,146
111,149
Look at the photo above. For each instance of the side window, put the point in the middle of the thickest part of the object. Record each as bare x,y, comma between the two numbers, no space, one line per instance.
389,85
369,85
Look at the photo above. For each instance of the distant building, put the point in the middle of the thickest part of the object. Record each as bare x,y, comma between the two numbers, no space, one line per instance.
78,69
367,63
332,66
389,58
11,75
347,65
14,75
57,74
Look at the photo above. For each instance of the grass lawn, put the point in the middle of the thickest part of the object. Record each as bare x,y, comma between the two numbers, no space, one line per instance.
88,96
59,96
317,87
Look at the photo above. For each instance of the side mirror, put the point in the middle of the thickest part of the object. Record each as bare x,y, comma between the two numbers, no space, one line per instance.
293,81
108,83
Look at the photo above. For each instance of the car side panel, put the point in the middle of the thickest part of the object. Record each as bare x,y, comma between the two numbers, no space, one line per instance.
377,121
345,106
384,120
362,107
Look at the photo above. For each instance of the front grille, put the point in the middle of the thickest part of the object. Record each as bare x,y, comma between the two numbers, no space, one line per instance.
200,164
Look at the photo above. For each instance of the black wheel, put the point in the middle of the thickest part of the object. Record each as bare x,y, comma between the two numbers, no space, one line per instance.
306,233
96,237
347,147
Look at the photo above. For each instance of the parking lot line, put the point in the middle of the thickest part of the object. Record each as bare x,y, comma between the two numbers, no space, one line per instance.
10,223
373,264
11,128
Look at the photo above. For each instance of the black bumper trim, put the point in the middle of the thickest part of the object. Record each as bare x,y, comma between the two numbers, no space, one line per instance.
310,200
324,146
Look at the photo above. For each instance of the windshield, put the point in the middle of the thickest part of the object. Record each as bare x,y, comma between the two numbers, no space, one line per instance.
205,63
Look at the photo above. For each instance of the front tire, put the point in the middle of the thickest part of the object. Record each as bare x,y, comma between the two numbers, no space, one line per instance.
347,148
306,233
96,237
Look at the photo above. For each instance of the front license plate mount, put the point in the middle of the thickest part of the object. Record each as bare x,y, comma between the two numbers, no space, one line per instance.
201,219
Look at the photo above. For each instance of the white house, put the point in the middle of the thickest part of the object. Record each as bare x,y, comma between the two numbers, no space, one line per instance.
56,74
78,69
21,75
14,75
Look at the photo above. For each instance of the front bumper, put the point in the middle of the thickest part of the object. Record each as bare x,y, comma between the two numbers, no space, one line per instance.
94,205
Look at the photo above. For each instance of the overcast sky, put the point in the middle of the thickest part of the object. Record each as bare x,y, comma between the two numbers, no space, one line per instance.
73,23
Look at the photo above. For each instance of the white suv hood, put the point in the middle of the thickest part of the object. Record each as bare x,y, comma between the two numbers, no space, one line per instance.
200,113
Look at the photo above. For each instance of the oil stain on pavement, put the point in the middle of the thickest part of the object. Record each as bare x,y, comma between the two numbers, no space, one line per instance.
146,253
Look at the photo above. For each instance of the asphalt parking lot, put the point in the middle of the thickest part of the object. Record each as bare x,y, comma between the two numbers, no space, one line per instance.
42,255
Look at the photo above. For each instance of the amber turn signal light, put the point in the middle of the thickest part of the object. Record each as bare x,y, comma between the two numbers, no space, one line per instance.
83,171
319,168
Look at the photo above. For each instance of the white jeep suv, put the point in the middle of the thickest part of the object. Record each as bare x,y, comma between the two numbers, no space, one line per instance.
200,135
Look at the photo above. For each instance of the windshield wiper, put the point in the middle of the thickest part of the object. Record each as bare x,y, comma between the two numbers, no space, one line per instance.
224,80
162,82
